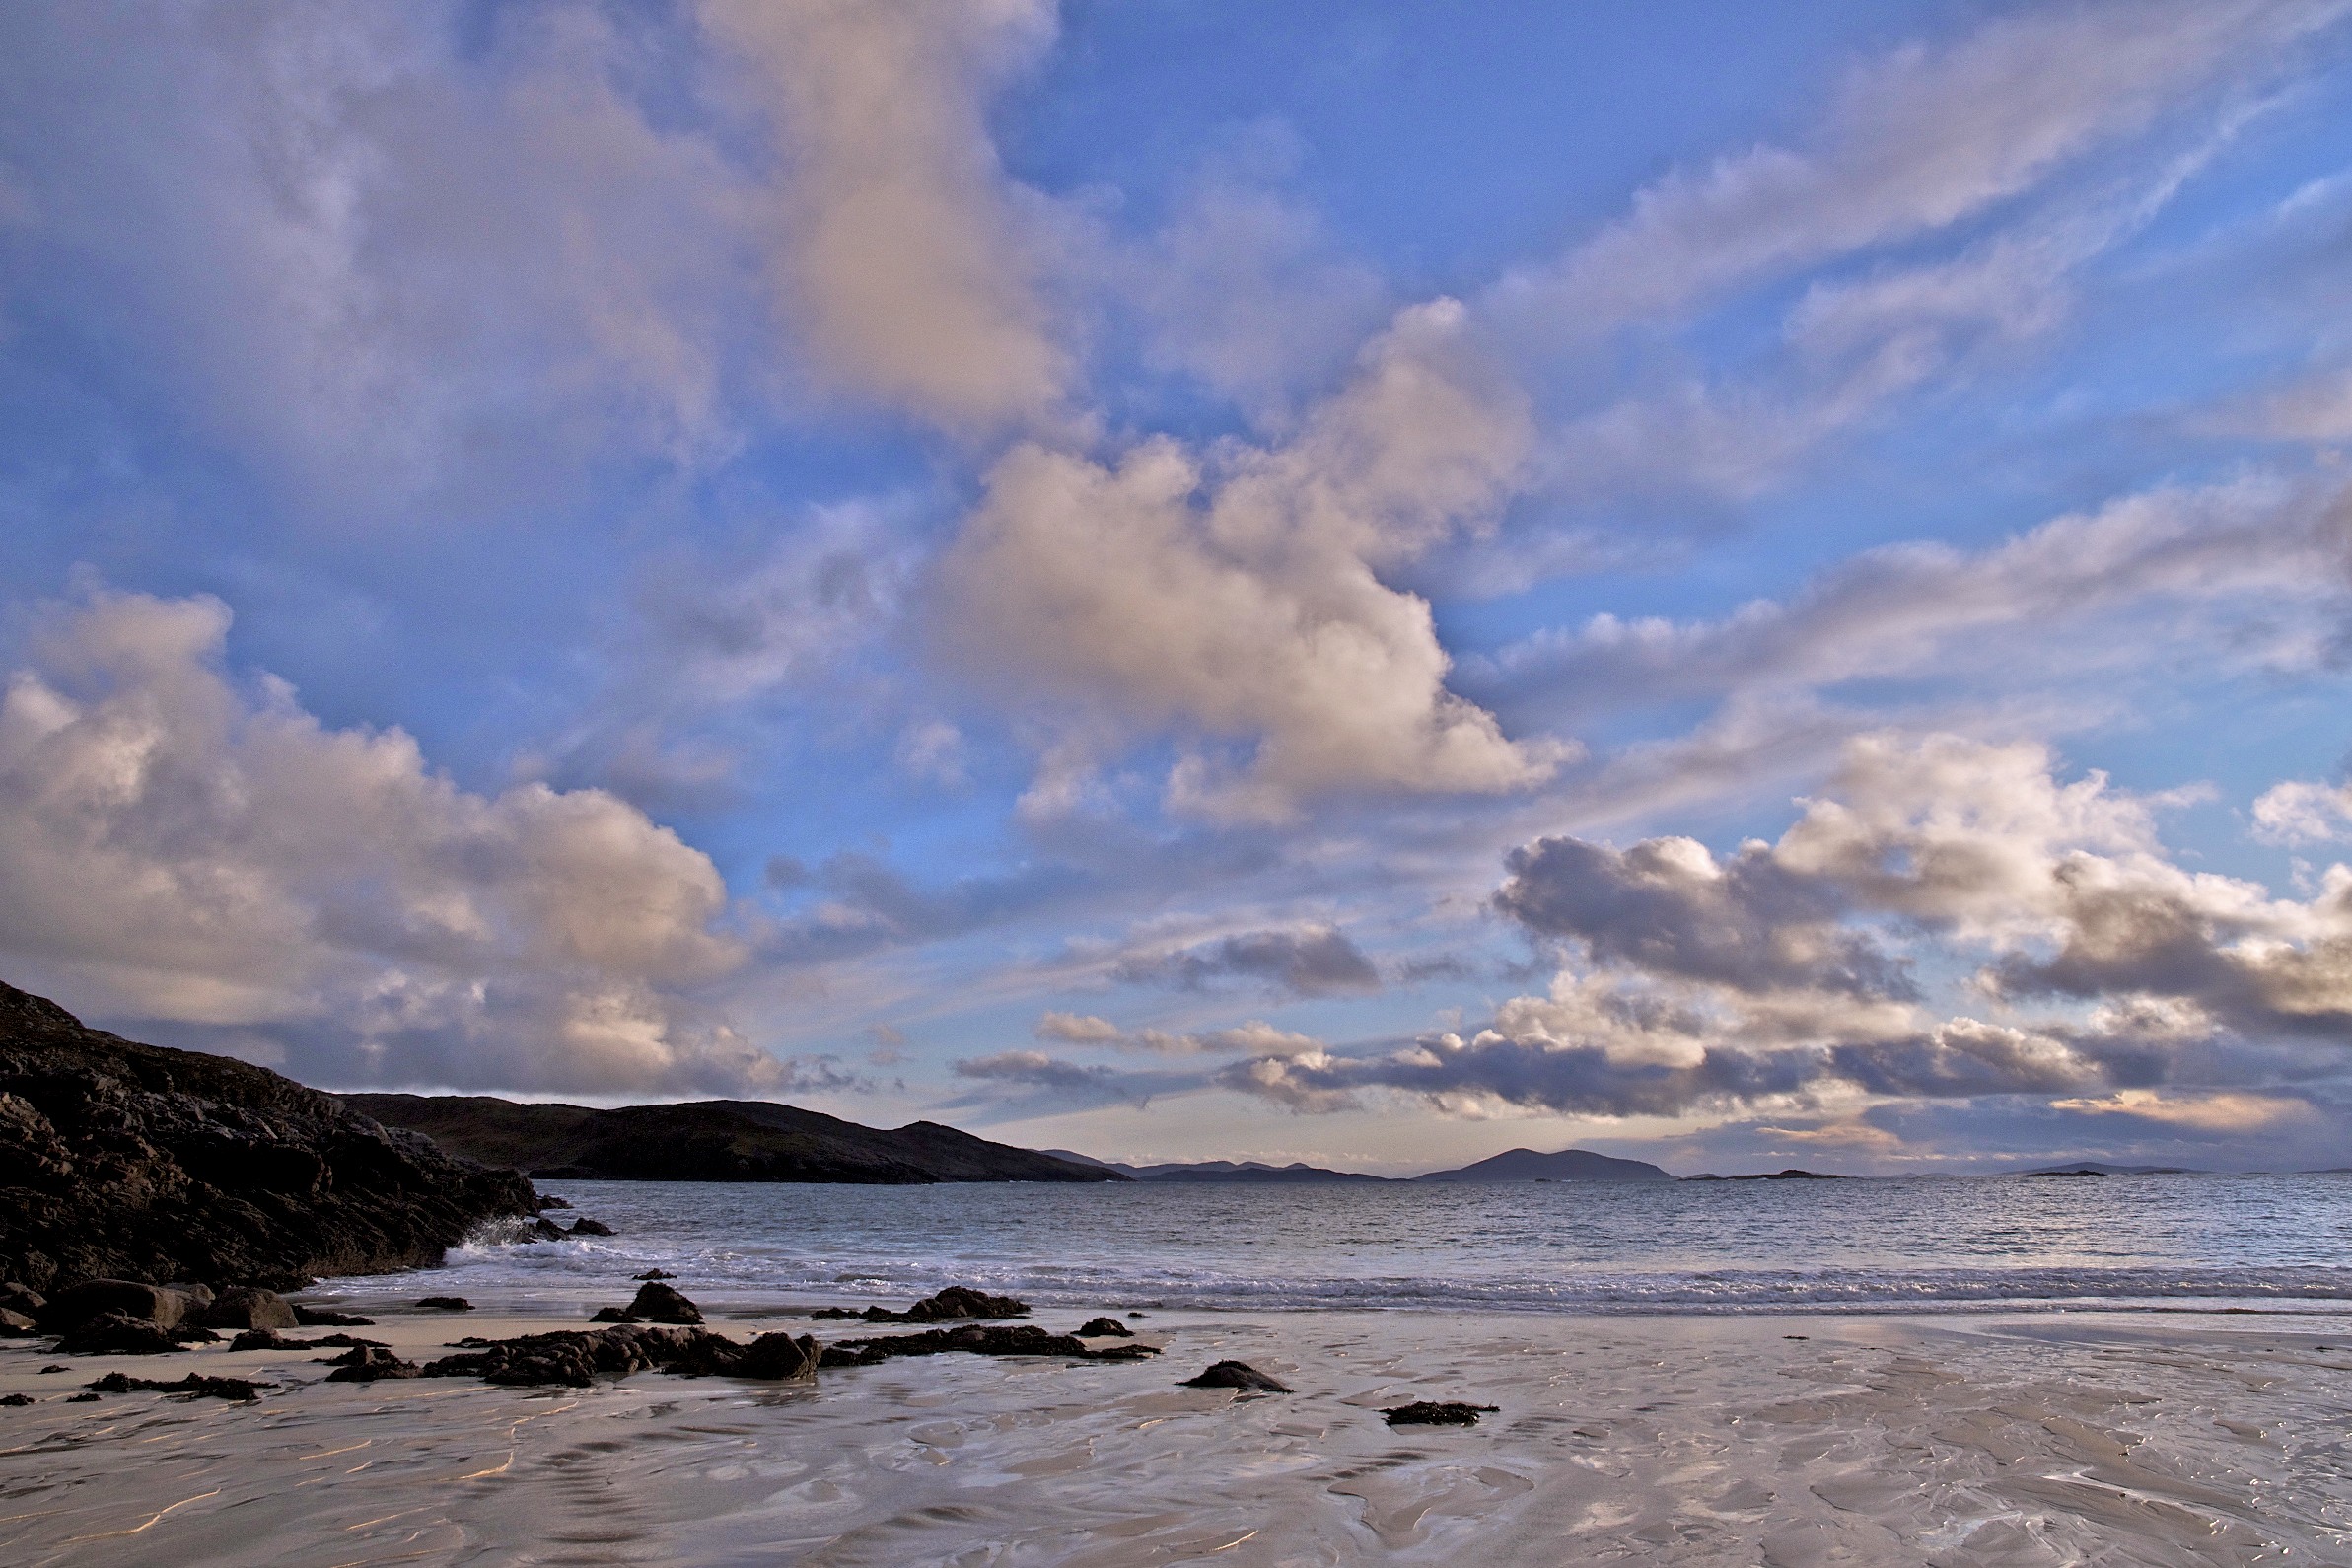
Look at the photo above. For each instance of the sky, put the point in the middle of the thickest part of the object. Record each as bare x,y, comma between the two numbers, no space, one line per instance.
1187,579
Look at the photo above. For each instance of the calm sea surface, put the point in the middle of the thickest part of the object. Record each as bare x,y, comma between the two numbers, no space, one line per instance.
1931,1243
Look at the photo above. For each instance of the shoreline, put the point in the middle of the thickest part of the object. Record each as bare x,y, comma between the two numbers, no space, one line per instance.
1784,1438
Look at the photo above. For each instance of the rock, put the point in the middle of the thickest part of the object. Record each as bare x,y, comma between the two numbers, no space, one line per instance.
1106,1328
129,1162
657,1303
954,1303
578,1357
193,1385
1024,1339
1424,1412
14,1324
371,1364
836,1314
248,1307
21,1298
655,1273
590,1228
272,1339
81,1398
16,1398
54,1367
321,1318
445,1304
69,1310
118,1335
614,1314
1235,1374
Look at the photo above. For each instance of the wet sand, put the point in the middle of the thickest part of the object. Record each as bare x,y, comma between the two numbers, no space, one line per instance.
2012,1439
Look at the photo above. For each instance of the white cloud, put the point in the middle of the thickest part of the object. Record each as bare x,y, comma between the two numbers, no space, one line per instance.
2301,812
175,849
900,246
1248,608
1913,142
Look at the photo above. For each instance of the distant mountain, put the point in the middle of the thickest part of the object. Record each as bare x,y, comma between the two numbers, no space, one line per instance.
711,1140
1569,1165
2101,1168
1218,1171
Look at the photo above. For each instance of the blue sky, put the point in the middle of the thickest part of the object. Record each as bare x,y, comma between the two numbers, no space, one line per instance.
1369,583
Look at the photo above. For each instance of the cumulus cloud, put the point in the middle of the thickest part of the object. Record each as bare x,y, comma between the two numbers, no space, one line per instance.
1913,142
1256,1037
900,243
2301,812
1782,976
1310,961
178,848
1246,609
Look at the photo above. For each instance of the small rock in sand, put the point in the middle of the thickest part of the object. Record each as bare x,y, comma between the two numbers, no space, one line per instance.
16,1398
446,1303
1106,1327
1426,1412
655,1303
368,1364
1236,1374
321,1318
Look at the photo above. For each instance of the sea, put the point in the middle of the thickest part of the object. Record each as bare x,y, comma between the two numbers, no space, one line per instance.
1919,1245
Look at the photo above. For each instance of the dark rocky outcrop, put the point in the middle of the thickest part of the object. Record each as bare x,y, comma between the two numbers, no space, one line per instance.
272,1339
163,1306
445,1304
577,1358
655,1303
1106,1328
1022,1339
1236,1374
193,1385
955,1303
712,1140
590,1228
141,1162
1425,1412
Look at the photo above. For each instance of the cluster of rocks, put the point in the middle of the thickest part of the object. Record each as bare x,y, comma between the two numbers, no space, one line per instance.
194,1387
977,1339
957,1303
1426,1412
123,1160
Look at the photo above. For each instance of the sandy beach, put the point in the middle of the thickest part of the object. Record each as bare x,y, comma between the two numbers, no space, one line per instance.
1997,1439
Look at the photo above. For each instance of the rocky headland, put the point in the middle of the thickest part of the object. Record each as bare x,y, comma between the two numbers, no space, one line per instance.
139,1163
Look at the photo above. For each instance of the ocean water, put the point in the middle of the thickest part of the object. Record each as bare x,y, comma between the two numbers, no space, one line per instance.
1922,1245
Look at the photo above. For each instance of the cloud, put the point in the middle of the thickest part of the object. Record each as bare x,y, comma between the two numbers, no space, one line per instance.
1913,142
1312,961
178,849
2301,812
901,246
1907,608
1247,609
1782,976
1255,1038
1035,1070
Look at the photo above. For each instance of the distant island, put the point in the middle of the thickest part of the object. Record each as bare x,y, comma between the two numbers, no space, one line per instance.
1514,1164
710,1140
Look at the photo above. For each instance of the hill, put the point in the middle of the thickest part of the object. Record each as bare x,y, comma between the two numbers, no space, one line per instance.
710,1140
1228,1171
138,1162
1568,1164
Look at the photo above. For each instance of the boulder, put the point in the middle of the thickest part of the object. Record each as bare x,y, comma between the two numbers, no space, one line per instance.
69,1310
118,1335
657,1303
14,1324
1106,1328
1425,1412
1236,1374
590,1228
248,1307
321,1318
370,1364
21,1298
778,1358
